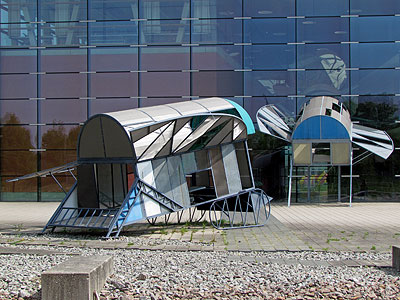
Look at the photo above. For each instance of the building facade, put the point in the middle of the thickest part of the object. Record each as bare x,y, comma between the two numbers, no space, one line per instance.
62,61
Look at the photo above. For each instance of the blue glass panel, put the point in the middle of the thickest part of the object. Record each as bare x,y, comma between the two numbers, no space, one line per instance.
15,86
165,84
323,82
287,105
63,34
258,57
165,58
164,32
225,57
376,111
18,11
375,82
322,7
63,111
113,59
18,111
63,60
269,83
322,56
114,84
269,31
221,31
217,83
164,9
113,33
63,85
323,30
99,106
113,10
216,8
18,61
62,11
375,29
270,8
374,7
375,55
18,35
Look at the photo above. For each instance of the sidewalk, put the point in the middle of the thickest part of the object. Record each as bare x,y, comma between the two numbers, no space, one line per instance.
325,227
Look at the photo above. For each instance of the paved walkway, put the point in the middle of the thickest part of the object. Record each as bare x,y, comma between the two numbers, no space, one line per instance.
325,227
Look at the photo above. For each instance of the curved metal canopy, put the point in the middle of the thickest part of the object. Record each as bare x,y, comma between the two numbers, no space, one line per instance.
324,118
152,132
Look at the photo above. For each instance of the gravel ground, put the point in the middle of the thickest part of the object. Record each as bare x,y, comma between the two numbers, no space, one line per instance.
209,275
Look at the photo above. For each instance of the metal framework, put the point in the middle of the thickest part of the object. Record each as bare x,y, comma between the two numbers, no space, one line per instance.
323,121
145,163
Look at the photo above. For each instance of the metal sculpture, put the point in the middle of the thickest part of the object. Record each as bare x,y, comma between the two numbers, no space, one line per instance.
143,163
322,136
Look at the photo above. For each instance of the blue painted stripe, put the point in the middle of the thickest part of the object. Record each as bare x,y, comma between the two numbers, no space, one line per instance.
245,117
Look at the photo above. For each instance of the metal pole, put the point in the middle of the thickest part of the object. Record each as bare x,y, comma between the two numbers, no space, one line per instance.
290,182
351,176
309,184
339,181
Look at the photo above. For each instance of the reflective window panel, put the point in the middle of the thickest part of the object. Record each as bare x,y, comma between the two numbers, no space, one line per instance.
319,30
18,11
216,9
377,111
164,9
18,35
364,55
165,58
165,84
113,33
258,57
322,7
269,30
374,7
63,85
24,190
375,82
17,86
269,83
18,138
159,101
224,57
113,59
113,10
62,11
164,32
63,60
323,56
323,82
63,34
375,29
18,111
59,137
18,61
284,104
217,31
114,84
270,8
221,83
49,189
63,111
99,106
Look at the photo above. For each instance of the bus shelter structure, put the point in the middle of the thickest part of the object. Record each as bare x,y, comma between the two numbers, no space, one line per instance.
323,136
143,163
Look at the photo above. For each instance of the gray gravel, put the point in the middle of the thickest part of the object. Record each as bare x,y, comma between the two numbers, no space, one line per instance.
210,275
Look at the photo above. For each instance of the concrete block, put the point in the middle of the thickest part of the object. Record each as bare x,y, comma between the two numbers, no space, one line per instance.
77,278
396,257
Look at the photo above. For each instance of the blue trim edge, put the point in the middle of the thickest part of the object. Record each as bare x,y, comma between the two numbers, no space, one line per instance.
245,117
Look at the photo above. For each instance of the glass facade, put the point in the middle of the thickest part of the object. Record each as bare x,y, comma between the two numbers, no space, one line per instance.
63,61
